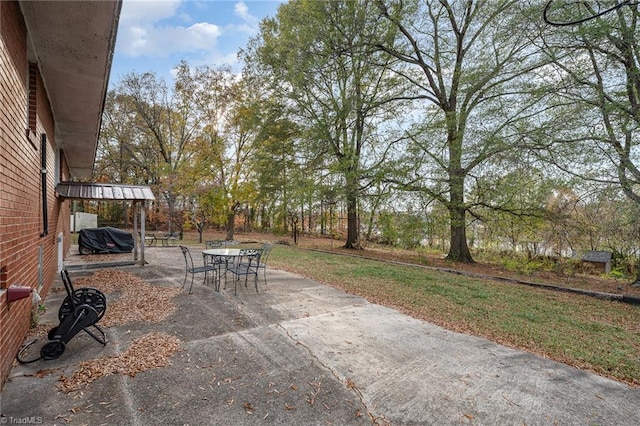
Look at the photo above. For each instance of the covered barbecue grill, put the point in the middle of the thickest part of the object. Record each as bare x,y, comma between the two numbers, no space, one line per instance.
104,240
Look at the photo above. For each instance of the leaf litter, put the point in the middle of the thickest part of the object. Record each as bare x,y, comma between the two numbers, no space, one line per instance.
135,301
150,351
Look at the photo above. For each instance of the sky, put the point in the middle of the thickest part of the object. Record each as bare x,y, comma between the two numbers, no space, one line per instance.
154,36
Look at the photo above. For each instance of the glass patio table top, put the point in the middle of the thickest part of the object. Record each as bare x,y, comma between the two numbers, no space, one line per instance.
222,252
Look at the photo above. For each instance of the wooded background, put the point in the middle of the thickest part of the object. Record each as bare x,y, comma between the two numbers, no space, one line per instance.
456,125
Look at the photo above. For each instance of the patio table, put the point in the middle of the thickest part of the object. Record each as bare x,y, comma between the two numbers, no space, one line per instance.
220,257
227,253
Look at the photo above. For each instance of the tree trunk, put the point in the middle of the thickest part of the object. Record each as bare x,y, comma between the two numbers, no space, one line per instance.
458,250
264,220
200,229
231,222
353,232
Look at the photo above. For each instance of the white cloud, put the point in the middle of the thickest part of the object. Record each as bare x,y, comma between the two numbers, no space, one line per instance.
142,32
216,58
250,24
163,41
156,35
241,10
149,11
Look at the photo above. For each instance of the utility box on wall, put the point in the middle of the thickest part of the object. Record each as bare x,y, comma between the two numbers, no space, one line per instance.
83,221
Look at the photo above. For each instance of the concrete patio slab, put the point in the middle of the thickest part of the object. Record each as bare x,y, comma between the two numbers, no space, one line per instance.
299,352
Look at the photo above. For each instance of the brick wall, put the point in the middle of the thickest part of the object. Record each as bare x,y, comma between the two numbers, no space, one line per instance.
26,256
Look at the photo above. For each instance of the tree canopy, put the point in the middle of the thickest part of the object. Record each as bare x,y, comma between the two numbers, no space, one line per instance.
456,124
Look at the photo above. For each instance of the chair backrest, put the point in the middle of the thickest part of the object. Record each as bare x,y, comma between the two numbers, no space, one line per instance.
213,244
187,257
248,244
266,249
252,254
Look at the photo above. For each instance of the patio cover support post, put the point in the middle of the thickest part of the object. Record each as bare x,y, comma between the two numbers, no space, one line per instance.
143,218
136,243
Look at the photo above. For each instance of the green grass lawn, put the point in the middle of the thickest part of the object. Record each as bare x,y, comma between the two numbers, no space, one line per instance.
592,334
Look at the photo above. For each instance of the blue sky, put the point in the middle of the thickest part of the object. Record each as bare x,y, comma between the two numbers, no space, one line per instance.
156,35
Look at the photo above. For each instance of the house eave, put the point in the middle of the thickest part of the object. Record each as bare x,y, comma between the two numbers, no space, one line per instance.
73,44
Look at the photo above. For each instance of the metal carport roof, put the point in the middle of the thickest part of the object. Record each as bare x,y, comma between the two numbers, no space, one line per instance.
104,191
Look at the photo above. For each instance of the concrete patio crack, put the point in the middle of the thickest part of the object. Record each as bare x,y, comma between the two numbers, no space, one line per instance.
350,384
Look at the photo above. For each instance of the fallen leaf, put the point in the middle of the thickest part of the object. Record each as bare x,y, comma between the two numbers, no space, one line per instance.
150,351
45,372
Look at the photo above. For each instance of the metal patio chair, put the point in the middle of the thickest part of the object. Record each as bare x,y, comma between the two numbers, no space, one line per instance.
266,249
209,244
172,239
149,239
219,263
248,263
193,270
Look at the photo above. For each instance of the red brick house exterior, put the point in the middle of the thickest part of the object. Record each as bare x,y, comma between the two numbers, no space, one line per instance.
55,59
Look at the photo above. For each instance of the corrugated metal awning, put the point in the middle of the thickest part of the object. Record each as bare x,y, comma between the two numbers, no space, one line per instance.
104,191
